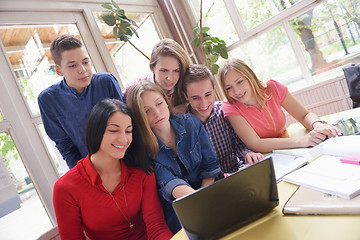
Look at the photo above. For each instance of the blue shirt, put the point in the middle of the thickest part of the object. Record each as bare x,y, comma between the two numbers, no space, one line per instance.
194,152
64,113
227,145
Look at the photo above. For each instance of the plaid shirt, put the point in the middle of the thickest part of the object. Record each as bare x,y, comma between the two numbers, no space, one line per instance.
227,145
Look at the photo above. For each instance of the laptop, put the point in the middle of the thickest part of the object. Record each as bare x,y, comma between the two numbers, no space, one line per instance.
230,203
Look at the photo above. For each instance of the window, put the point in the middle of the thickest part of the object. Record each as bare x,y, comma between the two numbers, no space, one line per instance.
28,50
33,66
261,56
26,69
130,63
20,204
32,160
254,12
298,51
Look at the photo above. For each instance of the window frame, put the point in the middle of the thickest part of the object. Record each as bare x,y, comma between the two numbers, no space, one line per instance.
281,19
19,121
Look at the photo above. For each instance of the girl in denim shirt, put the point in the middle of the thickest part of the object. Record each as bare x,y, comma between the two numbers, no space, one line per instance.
184,157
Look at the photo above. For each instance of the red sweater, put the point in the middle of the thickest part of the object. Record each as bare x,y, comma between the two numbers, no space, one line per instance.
82,204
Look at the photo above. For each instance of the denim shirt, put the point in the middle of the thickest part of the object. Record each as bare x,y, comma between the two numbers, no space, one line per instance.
193,149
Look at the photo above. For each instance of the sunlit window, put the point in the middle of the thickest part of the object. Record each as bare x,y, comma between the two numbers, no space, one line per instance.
30,58
129,62
19,199
217,17
330,38
254,12
271,59
308,49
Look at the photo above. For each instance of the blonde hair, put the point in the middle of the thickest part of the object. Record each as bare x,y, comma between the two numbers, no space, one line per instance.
134,100
256,85
169,48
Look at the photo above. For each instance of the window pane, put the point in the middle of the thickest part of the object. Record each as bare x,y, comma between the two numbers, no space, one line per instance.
218,19
22,215
254,12
28,50
330,37
56,157
270,56
129,62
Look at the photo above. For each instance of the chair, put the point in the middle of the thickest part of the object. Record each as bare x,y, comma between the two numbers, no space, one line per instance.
352,76
52,234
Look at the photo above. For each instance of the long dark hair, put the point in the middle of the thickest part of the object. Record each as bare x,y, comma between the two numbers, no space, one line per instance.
136,155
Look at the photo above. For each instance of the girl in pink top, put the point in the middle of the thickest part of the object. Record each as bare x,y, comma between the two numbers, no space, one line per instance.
255,111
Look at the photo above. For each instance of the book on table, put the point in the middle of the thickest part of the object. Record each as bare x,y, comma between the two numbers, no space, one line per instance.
306,201
327,173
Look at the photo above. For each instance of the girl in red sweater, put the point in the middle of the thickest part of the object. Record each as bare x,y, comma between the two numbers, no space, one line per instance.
110,194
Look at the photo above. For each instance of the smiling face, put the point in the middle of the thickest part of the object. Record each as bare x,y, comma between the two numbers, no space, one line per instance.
167,72
117,136
238,87
156,109
76,68
201,97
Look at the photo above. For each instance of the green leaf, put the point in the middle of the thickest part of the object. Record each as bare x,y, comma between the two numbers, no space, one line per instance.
133,22
205,29
124,24
125,19
128,32
216,48
205,35
115,32
214,68
224,52
196,42
120,12
107,6
134,31
195,30
213,59
207,50
115,5
108,19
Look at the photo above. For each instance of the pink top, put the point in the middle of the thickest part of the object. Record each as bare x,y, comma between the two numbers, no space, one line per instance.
264,125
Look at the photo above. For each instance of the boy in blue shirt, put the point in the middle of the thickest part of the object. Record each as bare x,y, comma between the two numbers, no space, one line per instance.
65,106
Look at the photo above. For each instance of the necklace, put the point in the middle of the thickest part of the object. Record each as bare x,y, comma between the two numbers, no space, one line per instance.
127,218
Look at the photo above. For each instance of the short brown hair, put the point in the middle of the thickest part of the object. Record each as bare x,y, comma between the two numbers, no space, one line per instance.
197,73
63,43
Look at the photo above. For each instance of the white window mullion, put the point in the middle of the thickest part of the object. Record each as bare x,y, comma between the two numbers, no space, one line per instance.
25,136
299,55
236,19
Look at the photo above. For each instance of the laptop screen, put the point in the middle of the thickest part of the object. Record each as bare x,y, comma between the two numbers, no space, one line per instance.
230,203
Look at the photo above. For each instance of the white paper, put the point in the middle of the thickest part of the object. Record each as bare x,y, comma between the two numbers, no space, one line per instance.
328,174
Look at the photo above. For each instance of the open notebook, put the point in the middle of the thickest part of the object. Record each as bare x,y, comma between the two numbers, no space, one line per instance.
289,160
327,173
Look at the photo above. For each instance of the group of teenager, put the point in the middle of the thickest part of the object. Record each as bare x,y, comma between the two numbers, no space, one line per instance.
130,156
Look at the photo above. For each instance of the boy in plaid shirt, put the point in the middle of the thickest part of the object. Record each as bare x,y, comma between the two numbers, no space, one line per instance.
198,89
